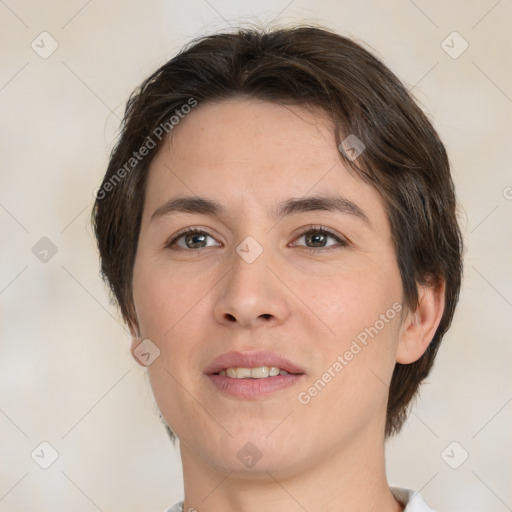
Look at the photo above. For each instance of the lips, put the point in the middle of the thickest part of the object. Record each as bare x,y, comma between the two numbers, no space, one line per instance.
252,359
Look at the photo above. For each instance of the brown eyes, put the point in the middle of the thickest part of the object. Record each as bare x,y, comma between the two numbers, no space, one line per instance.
194,237
317,236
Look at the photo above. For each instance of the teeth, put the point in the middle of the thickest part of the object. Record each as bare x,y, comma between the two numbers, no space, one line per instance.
260,372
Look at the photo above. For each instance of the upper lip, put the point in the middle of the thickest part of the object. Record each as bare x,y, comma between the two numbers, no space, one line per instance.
251,359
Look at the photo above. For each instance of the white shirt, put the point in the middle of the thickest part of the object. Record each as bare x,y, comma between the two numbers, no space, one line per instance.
411,499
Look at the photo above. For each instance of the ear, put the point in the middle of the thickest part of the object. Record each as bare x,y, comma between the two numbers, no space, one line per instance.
136,339
419,327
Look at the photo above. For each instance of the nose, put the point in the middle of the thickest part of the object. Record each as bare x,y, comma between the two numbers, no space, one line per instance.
251,295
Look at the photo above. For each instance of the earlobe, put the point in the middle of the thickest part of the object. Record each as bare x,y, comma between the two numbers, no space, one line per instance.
419,326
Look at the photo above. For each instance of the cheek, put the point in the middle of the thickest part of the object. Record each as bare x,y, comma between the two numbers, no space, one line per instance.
362,313
164,297
351,389
352,298
168,306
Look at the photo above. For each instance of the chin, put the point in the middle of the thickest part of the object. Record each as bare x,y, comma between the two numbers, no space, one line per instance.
254,455
256,464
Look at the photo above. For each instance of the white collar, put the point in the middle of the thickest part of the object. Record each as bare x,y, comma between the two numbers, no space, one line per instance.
411,499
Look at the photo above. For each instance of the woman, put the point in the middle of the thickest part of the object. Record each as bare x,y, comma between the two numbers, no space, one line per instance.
277,224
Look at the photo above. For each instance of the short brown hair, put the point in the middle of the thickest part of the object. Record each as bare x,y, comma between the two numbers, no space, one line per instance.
403,157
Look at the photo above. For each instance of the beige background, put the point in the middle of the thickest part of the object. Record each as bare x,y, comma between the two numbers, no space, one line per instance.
66,373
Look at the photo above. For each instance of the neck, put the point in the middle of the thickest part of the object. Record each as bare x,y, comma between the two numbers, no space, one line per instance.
350,478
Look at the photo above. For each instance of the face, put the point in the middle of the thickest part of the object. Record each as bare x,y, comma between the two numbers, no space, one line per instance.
311,287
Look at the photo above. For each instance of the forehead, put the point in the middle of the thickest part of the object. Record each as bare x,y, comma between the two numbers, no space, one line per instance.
252,155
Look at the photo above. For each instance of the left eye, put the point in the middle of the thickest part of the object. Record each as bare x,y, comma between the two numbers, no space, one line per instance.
318,236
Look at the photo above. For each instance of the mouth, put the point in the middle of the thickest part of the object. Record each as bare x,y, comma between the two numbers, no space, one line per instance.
252,375
260,372
255,364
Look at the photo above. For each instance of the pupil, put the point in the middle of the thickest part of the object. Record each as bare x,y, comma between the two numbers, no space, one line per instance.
194,236
315,238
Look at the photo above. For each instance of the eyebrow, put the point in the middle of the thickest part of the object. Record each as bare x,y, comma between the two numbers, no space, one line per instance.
292,206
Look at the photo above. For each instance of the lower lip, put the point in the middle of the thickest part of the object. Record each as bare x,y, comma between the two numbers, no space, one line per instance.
253,388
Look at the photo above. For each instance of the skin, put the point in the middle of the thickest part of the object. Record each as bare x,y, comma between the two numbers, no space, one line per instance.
196,304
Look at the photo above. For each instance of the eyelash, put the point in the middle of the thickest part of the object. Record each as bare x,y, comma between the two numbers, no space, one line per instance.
310,229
